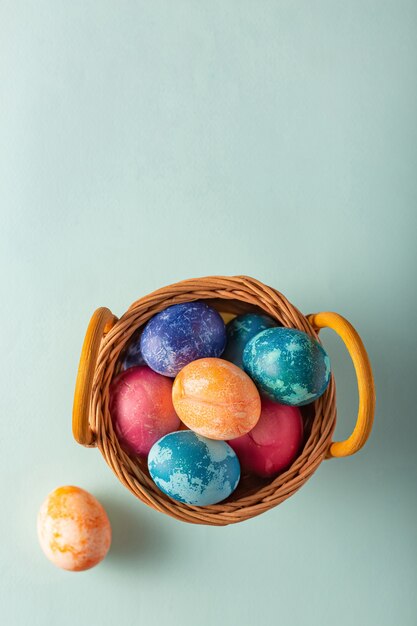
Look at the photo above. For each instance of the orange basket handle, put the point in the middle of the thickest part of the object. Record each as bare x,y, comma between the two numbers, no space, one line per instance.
100,324
366,387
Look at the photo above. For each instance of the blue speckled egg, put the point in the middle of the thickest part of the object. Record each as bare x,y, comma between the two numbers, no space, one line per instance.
180,334
240,330
287,365
192,469
132,355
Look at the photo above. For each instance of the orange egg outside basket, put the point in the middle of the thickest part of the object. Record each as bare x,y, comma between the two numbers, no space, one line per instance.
105,339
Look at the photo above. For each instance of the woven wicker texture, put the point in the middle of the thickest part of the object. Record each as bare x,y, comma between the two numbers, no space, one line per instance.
254,496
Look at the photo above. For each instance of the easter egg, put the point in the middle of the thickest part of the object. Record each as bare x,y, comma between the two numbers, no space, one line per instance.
216,399
141,408
273,444
132,355
180,334
240,330
192,469
73,529
288,365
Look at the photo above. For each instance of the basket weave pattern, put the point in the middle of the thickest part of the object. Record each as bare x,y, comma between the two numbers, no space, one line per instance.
228,294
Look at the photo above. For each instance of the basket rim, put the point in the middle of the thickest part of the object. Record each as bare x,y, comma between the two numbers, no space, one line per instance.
235,292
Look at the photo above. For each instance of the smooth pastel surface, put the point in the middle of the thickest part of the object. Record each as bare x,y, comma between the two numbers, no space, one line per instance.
216,399
240,330
180,334
132,355
288,365
273,444
141,408
193,469
73,529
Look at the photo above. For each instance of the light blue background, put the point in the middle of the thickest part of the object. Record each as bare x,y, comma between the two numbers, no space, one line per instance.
146,142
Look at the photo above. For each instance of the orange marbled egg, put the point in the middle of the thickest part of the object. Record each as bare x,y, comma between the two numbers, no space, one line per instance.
73,529
216,399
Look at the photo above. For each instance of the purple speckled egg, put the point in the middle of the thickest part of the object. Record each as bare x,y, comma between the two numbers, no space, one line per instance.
131,355
180,334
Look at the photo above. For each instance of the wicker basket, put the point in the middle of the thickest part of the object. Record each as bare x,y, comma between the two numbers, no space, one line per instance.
106,337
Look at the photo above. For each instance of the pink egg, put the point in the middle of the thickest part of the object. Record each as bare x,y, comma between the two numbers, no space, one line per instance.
141,408
273,444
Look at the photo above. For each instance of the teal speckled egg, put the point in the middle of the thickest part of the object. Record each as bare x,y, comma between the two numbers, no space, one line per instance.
287,365
240,330
192,469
